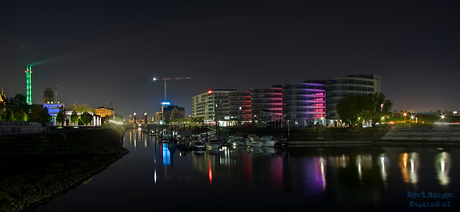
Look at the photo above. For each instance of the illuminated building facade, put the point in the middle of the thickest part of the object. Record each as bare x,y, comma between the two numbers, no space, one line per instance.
239,107
339,87
267,105
29,85
103,112
212,105
304,104
48,96
53,110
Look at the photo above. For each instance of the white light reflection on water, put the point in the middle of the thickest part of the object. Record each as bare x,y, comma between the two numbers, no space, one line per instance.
384,163
442,166
323,171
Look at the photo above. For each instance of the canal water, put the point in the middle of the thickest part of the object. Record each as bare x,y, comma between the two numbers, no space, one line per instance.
367,178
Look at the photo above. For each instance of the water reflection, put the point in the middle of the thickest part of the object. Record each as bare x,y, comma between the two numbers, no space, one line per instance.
344,176
409,164
384,164
443,165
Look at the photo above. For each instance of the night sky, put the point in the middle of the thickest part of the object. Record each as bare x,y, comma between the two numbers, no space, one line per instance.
102,52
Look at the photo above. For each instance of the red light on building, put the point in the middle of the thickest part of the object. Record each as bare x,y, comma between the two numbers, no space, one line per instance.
209,92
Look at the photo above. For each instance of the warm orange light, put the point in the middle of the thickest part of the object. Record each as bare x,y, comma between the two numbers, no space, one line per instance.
210,172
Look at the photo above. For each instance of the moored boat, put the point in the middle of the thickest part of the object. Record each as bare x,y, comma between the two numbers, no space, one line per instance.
213,144
198,144
256,144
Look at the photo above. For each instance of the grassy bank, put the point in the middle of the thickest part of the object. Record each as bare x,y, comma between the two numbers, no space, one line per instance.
37,168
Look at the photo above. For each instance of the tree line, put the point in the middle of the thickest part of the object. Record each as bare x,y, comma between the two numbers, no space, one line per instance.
16,109
354,110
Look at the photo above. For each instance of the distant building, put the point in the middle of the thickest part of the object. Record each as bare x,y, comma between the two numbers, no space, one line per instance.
212,106
173,112
158,116
267,105
103,112
48,96
239,107
340,87
304,104
95,122
53,110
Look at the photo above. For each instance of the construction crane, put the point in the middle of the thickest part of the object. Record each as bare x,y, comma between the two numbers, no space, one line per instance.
170,78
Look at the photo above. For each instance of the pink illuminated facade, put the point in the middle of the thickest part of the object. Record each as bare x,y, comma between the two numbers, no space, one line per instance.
239,107
267,105
304,104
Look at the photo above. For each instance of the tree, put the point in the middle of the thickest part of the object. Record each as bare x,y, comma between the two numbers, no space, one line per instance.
74,117
60,118
350,108
8,115
17,105
20,115
376,107
80,108
40,115
45,117
18,102
34,115
197,120
86,118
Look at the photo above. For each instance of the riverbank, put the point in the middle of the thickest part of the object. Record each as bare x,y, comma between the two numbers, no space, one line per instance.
400,135
37,168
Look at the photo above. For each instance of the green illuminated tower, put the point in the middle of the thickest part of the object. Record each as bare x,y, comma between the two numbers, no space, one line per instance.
29,85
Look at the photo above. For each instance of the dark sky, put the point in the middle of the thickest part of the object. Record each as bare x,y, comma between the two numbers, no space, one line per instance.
102,52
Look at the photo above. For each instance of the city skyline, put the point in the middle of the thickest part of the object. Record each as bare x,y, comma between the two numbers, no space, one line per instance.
102,53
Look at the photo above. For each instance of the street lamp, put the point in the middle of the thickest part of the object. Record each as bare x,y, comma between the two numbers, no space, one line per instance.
239,117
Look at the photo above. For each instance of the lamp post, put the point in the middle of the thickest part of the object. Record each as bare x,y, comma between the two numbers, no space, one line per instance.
239,117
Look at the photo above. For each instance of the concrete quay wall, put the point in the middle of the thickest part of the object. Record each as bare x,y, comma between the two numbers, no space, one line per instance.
444,133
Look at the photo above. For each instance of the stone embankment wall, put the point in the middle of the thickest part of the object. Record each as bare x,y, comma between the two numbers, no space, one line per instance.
444,134
395,135
333,137
35,168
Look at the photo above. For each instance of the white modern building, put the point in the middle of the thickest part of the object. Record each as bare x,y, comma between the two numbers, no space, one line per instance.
212,106
339,87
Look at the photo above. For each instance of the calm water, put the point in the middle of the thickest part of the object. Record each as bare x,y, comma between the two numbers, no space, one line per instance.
152,178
